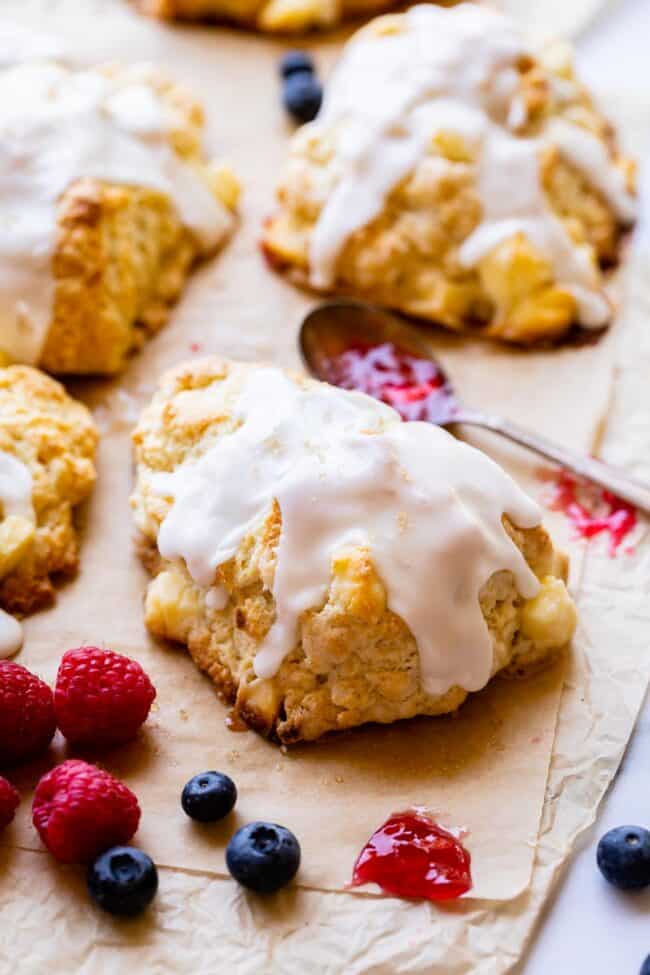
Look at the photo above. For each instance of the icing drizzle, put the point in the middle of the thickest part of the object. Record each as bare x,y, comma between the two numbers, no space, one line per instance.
15,499
15,487
58,126
11,635
345,471
454,71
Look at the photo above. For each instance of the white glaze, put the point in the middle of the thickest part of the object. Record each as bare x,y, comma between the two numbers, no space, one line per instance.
15,499
11,635
15,487
590,156
58,126
455,71
346,471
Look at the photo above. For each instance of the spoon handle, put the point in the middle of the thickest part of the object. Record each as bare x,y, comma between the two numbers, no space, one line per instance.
611,478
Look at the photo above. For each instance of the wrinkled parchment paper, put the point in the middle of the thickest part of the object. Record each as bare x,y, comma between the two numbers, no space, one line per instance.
486,769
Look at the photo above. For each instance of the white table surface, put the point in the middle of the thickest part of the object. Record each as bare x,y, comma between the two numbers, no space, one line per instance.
590,928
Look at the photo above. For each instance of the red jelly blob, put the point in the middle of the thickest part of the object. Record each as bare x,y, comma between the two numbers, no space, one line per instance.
414,387
592,511
411,856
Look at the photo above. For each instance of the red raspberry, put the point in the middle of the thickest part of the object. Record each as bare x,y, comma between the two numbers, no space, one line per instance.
27,722
9,799
101,698
80,810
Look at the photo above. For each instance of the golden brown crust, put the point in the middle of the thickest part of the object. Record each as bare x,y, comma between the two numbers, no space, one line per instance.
121,260
355,661
122,254
273,16
407,258
55,437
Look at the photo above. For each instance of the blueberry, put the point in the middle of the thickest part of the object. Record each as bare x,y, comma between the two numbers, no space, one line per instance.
263,856
624,857
296,61
123,880
645,967
209,796
302,96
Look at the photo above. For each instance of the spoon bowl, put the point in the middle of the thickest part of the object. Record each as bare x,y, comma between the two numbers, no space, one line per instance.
335,325
356,345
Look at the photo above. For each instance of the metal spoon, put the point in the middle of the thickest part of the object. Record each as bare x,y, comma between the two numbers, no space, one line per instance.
334,326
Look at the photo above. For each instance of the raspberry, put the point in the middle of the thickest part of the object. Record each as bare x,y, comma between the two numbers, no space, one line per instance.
9,799
80,810
101,698
27,722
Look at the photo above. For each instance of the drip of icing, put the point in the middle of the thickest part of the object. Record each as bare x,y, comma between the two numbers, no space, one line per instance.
15,487
588,154
58,126
453,70
11,635
15,499
514,202
345,471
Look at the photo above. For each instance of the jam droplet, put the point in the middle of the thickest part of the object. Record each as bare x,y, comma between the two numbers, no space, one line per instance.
414,387
591,510
411,856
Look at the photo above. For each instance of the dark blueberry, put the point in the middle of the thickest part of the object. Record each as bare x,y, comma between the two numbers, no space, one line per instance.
302,96
123,880
645,967
209,796
263,856
624,857
296,61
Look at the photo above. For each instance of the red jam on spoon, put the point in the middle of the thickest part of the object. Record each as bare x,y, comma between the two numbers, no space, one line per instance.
415,387
592,511
411,856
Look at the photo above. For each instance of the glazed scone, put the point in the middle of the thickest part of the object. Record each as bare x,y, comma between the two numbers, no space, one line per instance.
109,200
47,449
328,565
453,175
280,16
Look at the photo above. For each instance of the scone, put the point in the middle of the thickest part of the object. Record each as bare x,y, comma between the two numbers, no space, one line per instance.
328,565
281,16
453,175
47,449
108,201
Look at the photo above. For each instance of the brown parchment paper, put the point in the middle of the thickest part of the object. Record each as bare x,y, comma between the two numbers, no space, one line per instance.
486,769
